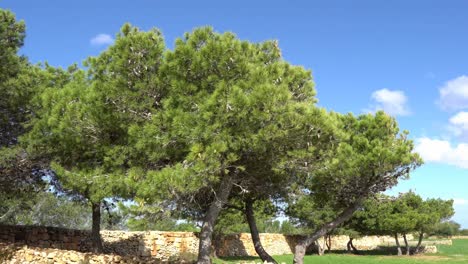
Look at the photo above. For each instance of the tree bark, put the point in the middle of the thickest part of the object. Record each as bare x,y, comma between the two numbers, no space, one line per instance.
96,228
249,213
350,246
301,247
328,242
406,245
398,245
206,233
418,246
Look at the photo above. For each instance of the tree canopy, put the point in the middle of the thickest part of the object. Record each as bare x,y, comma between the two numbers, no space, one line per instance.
216,129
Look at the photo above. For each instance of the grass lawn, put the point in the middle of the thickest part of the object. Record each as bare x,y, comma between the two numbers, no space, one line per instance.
457,253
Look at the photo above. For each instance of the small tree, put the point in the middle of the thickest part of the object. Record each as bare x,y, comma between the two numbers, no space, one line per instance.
371,157
431,214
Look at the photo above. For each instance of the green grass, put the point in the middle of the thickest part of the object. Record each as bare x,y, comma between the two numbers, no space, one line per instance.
458,248
455,254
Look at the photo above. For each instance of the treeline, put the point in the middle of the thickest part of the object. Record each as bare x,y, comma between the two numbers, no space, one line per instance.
215,130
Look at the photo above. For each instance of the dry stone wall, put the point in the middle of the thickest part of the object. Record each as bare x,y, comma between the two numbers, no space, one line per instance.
146,247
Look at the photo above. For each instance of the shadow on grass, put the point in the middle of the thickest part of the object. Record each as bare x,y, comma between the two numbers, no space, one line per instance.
250,258
380,251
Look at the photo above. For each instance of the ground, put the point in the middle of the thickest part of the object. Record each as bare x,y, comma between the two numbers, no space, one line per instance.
457,253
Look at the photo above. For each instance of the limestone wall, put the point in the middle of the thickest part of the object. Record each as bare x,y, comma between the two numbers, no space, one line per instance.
164,246
158,245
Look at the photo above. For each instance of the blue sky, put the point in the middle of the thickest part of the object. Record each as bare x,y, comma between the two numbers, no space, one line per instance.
409,58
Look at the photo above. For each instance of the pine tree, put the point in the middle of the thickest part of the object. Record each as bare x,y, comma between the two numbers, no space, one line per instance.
83,126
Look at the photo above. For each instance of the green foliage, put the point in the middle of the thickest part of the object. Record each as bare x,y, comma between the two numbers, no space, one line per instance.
233,220
166,127
82,125
404,214
15,90
306,213
12,34
154,217
46,209
372,156
432,213
446,229
368,155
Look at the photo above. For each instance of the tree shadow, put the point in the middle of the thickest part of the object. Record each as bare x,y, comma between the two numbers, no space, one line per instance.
230,246
379,251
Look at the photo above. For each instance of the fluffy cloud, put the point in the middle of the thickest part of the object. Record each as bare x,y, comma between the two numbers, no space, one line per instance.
392,102
459,125
441,151
460,201
454,94
101,39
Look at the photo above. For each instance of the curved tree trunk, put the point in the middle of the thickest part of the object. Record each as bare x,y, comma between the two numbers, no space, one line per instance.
249,213
418,246
406,245
96,228
350,246
204,248
300,249
398,245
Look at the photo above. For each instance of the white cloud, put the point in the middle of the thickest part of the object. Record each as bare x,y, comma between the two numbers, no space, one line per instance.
441,151
459,125
101,39
460,201
393,102
454,94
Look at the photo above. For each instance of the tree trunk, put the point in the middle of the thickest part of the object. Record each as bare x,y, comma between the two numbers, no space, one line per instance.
350,246
418,246
96,228
249,213
354,248
221,197
406,245
301,247
398,245
328,242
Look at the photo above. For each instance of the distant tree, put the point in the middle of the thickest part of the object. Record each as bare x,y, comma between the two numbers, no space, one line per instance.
394,216
446,228
46,209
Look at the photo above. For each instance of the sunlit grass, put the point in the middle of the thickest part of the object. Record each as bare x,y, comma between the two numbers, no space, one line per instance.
457,253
